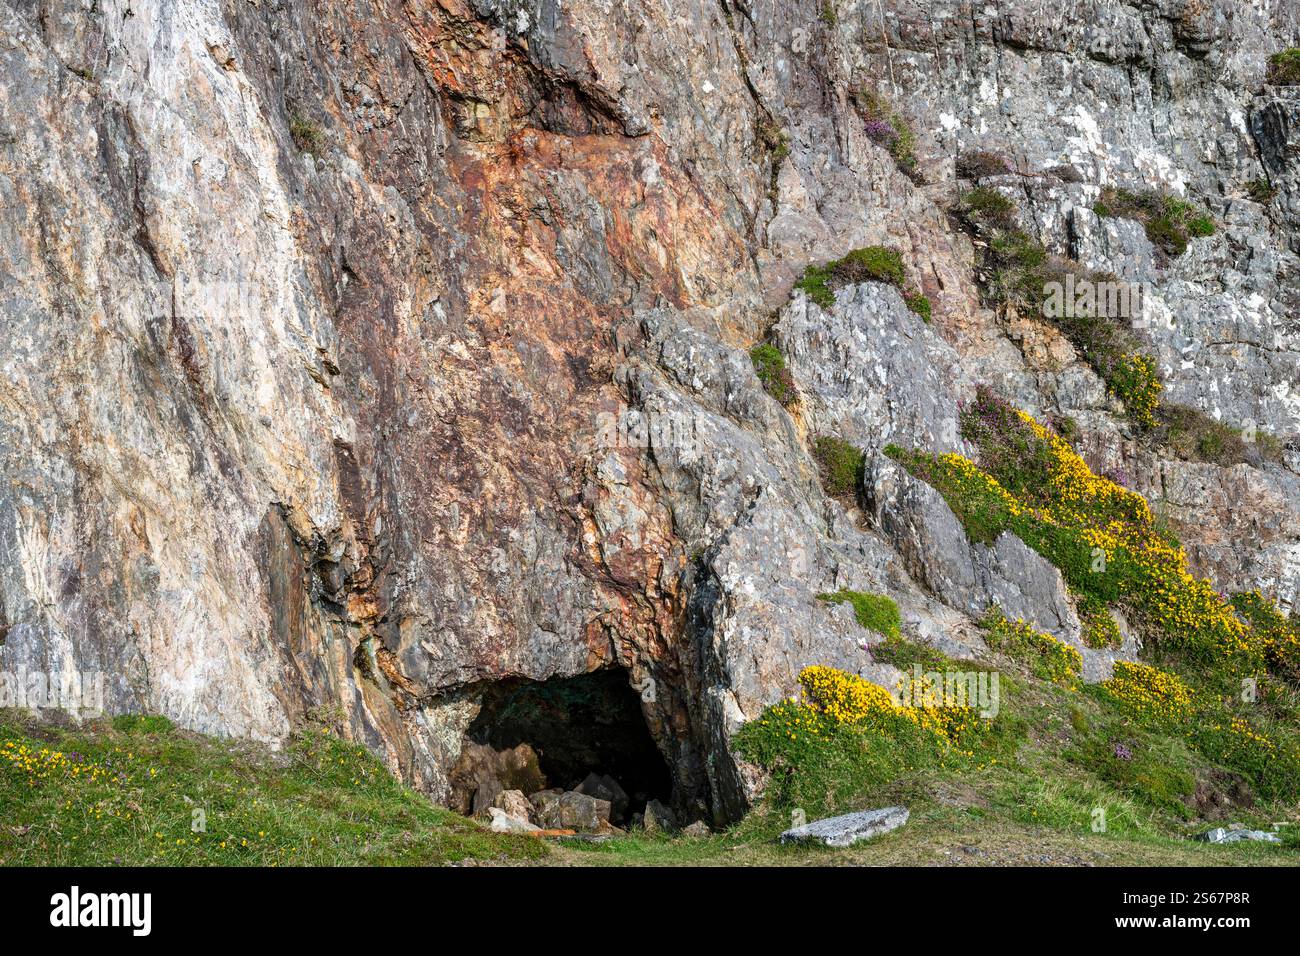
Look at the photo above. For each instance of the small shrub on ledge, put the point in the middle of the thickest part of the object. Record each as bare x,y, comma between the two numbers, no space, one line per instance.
868,264
306,135
1170,223
887,128
1284,68
770,367
978,164
1260,190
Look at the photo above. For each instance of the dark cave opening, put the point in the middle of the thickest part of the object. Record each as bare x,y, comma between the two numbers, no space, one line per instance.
591,723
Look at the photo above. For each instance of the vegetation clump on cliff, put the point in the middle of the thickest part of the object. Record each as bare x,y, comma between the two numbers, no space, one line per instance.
1170,223
886,127
770,367
869,264
1284,68
842,467
878,612
1018,272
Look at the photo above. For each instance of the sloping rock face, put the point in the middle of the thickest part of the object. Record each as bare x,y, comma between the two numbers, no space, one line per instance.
356,356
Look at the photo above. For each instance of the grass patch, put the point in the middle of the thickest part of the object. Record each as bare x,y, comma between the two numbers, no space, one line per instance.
137,792
142,724
1261,190
878,612
869,264
842,468
770,367
1170,223
905,654
1194,436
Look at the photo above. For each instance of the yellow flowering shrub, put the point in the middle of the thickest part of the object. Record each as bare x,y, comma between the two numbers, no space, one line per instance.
1150,692
846,698
1103,537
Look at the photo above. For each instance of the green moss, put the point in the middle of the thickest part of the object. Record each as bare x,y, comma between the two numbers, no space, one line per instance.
816,284
1284,68
770,367
871,264
842,467
878,612
919,304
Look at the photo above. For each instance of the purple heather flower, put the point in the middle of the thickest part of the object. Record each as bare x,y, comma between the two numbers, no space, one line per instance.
881,132
1123,753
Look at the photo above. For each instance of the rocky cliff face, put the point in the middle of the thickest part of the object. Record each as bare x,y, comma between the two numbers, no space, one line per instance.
359,357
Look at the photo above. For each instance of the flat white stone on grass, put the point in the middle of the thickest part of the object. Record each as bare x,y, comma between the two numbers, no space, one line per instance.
848,829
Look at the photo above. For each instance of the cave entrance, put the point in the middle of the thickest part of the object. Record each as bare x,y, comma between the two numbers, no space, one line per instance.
576,726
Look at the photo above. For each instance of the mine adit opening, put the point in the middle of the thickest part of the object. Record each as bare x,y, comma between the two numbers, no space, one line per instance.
575,727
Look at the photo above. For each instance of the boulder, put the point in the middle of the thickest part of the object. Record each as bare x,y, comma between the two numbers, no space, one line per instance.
848,829
568,809
659,818
502,822
514,803
697,830
481,773
605,787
